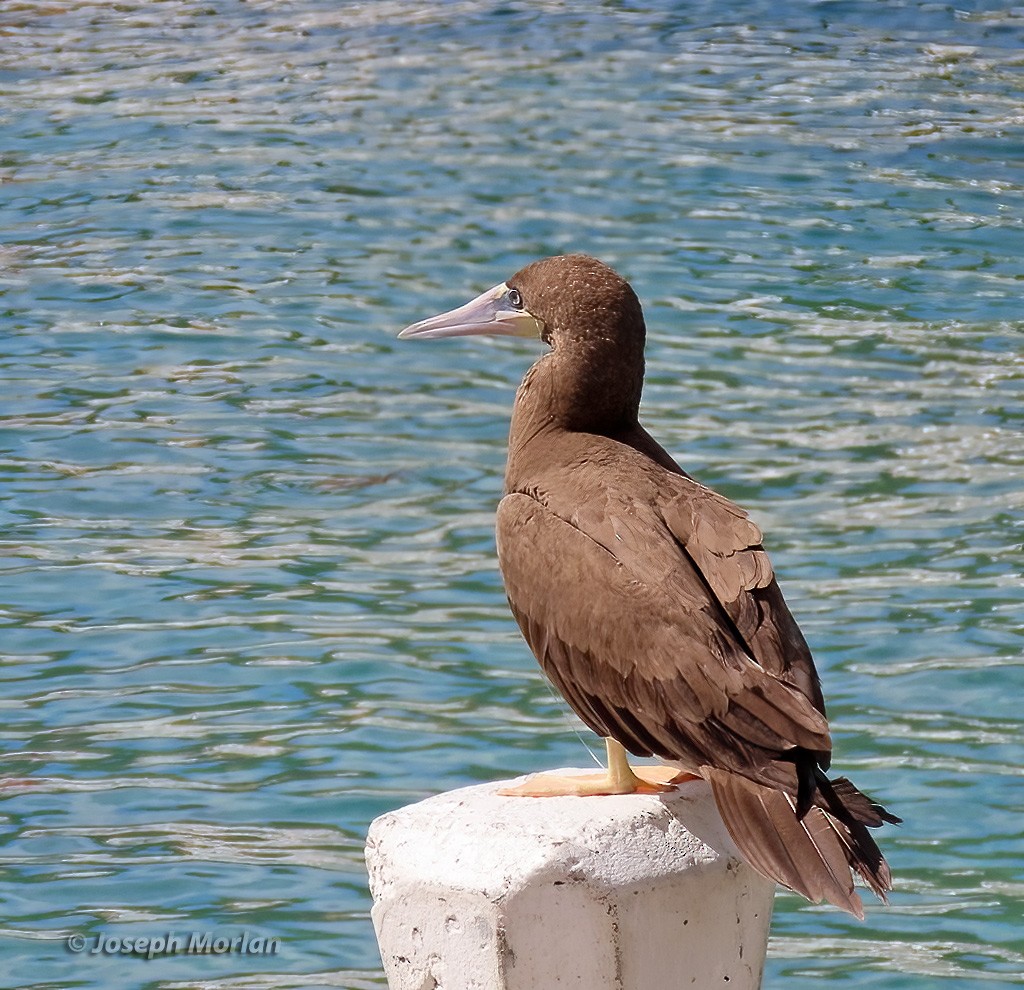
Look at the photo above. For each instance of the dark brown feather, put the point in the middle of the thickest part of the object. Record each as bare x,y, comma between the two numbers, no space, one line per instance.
695,689
812,855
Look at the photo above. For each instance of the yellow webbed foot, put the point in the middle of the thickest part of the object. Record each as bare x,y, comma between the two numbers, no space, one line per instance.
620,778
583,785
669,776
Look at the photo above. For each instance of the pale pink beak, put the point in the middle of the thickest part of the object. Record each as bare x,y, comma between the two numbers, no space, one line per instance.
489,313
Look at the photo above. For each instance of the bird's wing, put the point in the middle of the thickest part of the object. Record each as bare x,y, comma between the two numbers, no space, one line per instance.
725,546
624,624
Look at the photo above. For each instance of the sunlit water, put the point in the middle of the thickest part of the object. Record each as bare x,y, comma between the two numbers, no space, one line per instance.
250,597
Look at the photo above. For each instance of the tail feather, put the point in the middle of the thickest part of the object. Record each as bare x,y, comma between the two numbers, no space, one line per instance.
813,854
859,805
856,812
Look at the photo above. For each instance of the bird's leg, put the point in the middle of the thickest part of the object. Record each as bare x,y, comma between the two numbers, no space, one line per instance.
620,778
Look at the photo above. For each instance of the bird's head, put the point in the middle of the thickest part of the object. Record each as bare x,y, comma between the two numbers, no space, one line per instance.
570,298
589,316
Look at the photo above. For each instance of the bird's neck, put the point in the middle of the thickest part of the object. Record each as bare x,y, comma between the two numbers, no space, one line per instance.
560,396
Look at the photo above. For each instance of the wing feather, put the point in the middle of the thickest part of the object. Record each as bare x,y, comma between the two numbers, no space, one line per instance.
726,547
625,628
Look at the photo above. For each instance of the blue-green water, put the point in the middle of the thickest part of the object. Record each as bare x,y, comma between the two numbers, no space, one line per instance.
250,599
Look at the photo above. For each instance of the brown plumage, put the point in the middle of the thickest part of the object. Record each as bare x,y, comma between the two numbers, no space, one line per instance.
648,599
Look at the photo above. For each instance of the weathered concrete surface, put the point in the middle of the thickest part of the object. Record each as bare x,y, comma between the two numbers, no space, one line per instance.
476,891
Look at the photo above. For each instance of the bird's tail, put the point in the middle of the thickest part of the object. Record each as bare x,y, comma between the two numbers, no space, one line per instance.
813,854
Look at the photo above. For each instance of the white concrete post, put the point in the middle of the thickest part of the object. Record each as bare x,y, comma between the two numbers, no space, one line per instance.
476,891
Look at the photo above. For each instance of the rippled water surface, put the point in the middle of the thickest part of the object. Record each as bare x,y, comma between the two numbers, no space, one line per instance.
250,599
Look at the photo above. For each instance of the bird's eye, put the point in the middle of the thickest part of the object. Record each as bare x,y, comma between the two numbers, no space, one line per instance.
515,300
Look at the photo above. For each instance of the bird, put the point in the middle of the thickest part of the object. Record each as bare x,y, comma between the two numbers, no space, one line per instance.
648,599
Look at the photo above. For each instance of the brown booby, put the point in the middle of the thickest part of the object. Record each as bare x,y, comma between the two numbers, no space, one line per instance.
649,600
